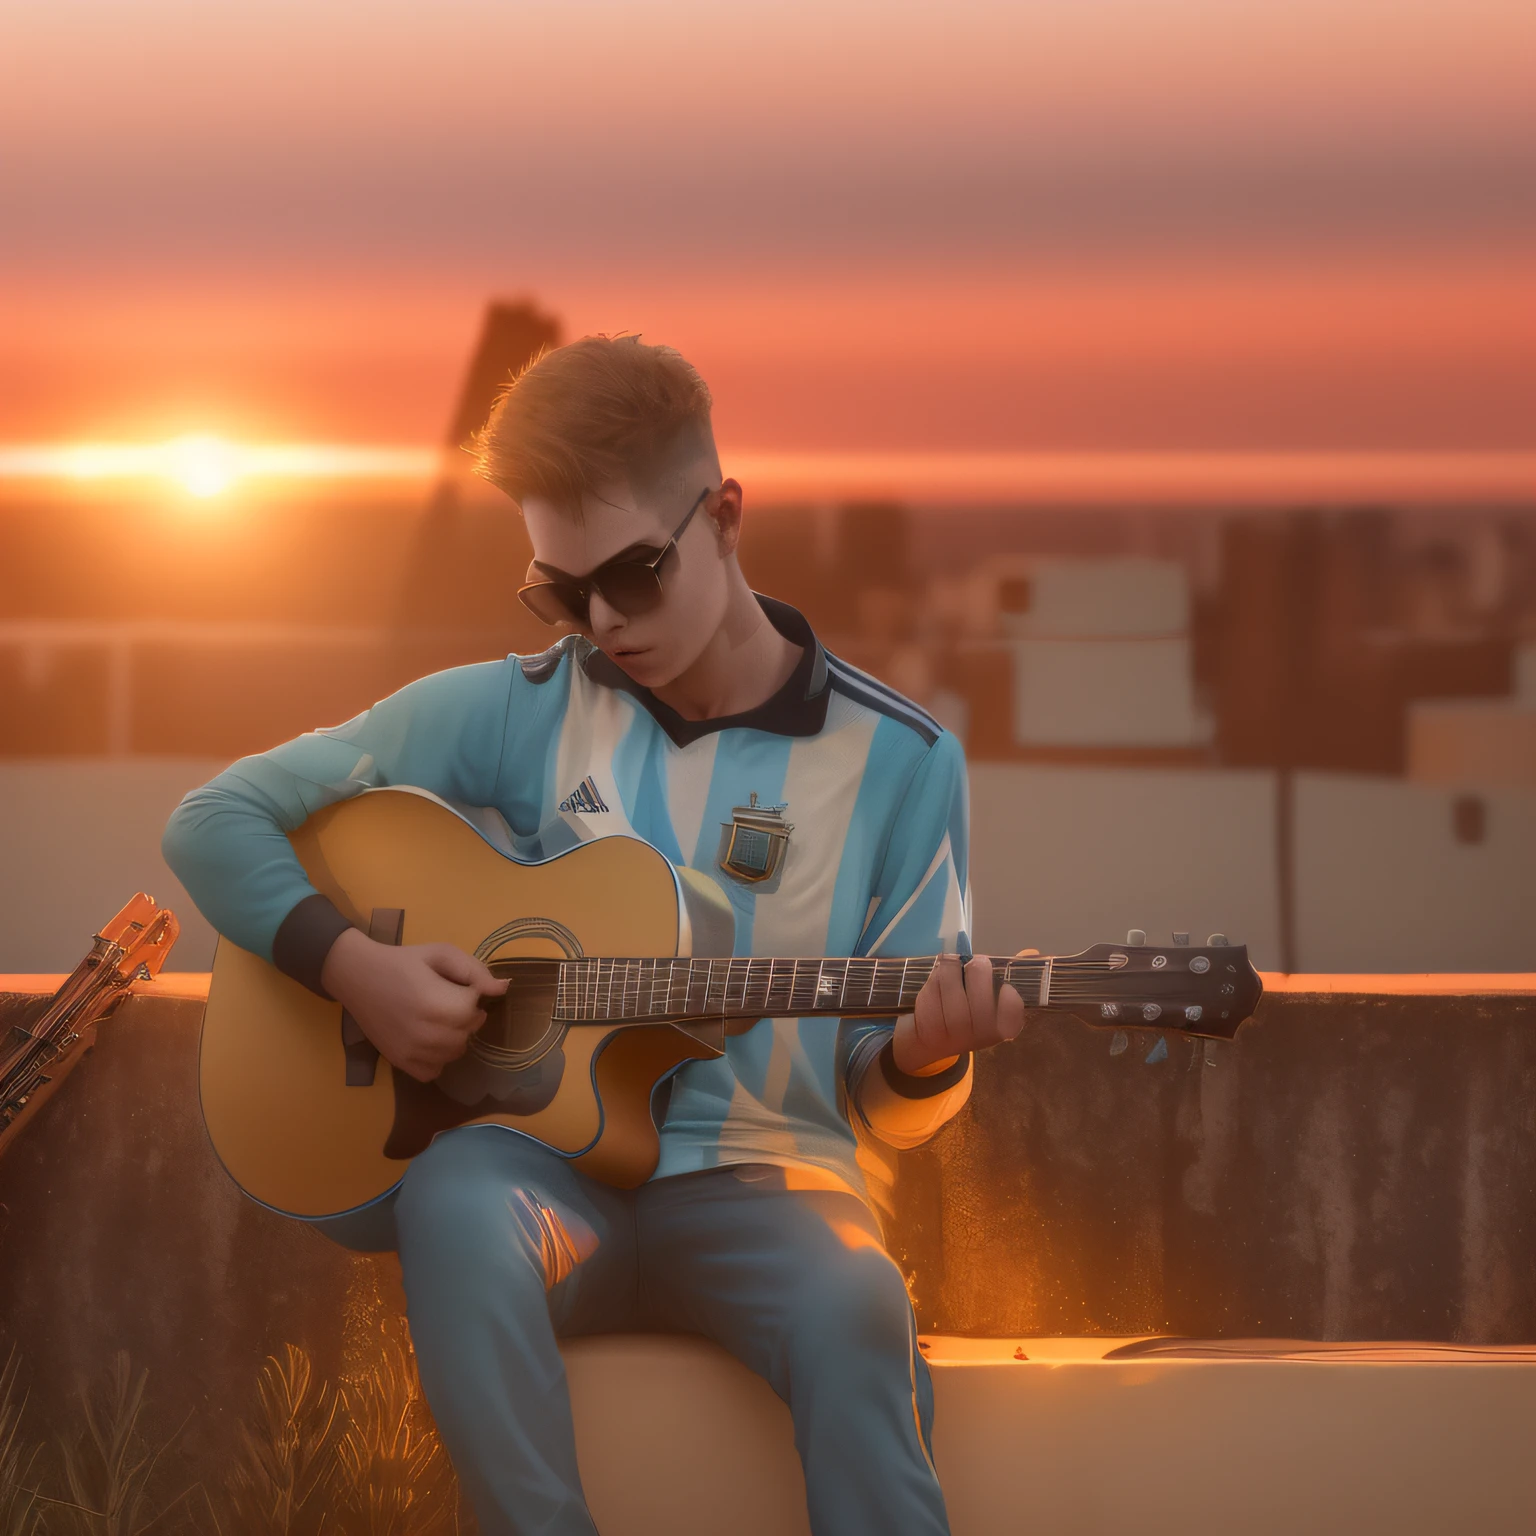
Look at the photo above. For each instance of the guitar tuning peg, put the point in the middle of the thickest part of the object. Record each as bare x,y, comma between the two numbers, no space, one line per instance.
1181,938
1136,936
1216,941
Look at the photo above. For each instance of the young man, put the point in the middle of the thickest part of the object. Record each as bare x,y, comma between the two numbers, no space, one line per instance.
678,696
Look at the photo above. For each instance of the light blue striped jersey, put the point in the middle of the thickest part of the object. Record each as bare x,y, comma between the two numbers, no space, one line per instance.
561,748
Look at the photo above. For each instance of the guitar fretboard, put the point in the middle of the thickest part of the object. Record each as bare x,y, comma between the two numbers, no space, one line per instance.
596,990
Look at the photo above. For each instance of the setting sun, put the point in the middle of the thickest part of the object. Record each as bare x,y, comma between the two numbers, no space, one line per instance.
205,466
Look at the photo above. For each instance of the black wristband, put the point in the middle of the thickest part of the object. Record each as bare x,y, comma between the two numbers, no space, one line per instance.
912,1087
304,939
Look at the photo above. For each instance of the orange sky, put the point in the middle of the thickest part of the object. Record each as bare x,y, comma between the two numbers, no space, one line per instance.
1073,224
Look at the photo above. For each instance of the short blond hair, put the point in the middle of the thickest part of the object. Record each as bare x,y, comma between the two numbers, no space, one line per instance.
601,411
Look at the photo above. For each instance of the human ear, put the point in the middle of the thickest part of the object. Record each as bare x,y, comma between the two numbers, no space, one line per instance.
725,514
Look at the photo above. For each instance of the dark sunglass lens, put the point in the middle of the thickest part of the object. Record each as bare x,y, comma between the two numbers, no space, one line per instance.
631,589
555,602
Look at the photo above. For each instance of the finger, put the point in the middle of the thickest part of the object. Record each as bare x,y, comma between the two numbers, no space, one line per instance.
1010,1013
451,962
927,1017
982,999
952,997
459,1016
925,1024
1024,953
951,988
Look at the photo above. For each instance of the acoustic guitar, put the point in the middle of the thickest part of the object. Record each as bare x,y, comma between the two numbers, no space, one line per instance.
621,971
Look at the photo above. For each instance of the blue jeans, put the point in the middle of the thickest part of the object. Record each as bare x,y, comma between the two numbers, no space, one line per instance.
505,1247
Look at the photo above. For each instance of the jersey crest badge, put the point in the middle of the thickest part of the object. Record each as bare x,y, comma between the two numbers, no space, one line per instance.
756,839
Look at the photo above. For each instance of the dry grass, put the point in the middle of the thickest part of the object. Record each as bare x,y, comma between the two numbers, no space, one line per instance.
284,1483
314,1460
21,1513
362,1460
396,1478
110,1470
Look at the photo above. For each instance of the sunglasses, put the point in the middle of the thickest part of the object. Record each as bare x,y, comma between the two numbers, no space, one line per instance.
630,586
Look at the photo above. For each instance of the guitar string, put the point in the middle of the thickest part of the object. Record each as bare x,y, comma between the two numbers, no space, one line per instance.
761,988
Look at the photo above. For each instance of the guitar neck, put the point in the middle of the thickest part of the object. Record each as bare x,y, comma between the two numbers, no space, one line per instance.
603,990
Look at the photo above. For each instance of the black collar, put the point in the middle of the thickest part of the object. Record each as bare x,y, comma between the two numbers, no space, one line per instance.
799,708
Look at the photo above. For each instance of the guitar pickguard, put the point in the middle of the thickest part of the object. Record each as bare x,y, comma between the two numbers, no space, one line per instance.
466,1090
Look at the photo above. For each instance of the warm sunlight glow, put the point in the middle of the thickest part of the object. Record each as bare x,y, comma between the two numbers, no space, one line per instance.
205,466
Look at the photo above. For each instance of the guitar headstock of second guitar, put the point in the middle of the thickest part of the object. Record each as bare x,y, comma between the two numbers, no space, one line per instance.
1206,990
134,945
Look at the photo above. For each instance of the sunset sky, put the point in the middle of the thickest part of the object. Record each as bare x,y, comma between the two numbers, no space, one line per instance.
1061,225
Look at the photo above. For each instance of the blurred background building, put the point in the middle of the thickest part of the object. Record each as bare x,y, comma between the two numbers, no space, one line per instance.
1313,728
1144,387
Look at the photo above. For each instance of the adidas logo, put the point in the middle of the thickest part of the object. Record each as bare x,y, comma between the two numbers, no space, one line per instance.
584,798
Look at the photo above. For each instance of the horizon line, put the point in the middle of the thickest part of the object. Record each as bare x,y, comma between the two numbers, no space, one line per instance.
207,466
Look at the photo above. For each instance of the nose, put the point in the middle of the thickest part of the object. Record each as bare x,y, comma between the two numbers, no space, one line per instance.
603,619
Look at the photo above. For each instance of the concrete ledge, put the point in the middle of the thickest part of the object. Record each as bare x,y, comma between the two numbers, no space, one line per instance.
673,1432
194,984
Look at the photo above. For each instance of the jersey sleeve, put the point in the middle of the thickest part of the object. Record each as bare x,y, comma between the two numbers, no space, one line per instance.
227,841
920,906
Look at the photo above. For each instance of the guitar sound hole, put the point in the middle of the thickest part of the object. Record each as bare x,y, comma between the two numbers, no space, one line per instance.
519,1026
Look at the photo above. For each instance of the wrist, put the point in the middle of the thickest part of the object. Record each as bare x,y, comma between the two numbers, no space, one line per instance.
929,1069
347,957
940,1077
304,939
910,1055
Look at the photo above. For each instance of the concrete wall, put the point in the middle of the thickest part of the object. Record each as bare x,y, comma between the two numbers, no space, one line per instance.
1385,883
1354,1166
77,838
1066,857
1062,857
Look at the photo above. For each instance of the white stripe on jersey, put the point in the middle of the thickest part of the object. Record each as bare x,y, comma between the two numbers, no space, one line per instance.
594,725
689,772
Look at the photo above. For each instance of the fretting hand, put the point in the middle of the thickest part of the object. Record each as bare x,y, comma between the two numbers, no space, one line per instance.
957,1010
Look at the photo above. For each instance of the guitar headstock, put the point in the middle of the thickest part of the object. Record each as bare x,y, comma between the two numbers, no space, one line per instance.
1206,989
136,941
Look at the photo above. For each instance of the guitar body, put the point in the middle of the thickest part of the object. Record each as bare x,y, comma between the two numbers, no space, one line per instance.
273,1067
